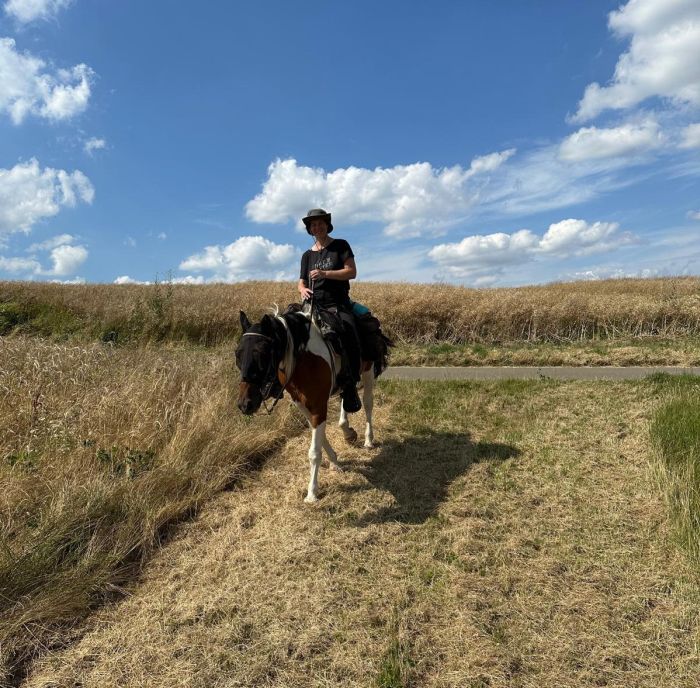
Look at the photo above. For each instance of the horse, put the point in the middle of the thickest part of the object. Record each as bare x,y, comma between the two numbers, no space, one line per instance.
288,352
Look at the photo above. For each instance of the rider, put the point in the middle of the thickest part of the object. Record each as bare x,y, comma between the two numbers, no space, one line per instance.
326,271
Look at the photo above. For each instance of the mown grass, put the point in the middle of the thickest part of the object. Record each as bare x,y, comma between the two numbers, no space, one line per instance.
675,431
415,314
101,450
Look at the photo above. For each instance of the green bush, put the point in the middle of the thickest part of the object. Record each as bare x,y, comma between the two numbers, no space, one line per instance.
12,315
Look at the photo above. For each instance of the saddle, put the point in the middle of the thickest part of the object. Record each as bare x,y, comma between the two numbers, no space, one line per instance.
374,344
327,321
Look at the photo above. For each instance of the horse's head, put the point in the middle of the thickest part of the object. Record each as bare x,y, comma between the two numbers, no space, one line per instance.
257,357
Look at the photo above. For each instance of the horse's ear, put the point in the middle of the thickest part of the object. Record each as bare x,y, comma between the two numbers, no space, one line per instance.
245,323
266,324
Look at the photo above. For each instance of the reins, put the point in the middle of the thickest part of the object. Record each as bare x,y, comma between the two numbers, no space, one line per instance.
272,381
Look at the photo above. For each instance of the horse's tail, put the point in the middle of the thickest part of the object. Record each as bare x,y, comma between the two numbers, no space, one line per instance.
381,362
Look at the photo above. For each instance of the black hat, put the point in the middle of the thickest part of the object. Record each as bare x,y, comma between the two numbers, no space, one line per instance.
315,214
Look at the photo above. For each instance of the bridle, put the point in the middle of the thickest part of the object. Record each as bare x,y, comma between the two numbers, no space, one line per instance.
271,373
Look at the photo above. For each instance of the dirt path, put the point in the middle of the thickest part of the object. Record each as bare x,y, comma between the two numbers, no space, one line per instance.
504,534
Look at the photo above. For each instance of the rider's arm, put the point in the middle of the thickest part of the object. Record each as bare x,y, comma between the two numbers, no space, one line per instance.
302,286
303,289
347,272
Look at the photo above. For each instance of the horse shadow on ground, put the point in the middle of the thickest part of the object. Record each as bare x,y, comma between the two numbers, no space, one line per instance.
419,470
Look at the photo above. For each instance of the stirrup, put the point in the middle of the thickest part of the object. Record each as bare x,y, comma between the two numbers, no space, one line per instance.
351,400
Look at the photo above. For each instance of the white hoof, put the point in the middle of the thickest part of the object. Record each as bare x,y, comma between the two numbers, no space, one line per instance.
337,468
369,444
310,499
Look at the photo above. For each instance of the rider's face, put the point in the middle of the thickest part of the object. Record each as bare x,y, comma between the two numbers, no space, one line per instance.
318,228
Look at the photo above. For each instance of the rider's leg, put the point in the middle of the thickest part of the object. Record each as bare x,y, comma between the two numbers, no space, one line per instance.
351,375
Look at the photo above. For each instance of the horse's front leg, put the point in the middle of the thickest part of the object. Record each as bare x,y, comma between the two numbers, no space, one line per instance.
332,456
368,403
318,435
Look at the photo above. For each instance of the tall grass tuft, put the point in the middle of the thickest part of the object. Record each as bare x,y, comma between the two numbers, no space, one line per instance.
101,450
675,432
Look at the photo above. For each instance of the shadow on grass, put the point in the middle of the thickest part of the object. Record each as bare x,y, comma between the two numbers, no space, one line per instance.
418,472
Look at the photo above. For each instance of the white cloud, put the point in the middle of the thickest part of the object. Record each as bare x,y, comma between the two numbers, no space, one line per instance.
490,162
26,88
26,11
130,242
75,280
53,242
94,144
419,199
691,136
663,57
188,279
483,257
409,199
162,236
125,279
67,259
694,214
485,250
613,273
249,257
27,265
629,139
577,237
29,194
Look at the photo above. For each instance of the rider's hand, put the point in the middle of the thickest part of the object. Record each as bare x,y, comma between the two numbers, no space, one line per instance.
317,274
306,294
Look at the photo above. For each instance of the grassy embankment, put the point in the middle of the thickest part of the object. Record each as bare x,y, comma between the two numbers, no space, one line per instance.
613,322
101,449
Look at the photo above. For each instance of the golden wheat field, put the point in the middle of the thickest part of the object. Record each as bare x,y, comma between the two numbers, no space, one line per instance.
419,314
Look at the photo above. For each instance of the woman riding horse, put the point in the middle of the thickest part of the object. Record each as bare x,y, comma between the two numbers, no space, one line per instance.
326,271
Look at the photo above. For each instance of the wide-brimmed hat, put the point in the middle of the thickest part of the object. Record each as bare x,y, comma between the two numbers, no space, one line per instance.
316,214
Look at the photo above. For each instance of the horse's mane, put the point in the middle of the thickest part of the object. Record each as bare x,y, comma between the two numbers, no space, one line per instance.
297,323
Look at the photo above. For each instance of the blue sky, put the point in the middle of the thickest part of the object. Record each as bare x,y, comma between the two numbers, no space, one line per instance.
486,144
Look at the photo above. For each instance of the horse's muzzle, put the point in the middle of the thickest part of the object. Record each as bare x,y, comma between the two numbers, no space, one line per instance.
249,398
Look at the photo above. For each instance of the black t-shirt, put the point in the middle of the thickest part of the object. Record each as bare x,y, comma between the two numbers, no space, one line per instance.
327,291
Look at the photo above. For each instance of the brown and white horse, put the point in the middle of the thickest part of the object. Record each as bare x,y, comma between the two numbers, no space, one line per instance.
286,350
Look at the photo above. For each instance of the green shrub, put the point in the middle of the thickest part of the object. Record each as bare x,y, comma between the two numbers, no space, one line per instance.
12,315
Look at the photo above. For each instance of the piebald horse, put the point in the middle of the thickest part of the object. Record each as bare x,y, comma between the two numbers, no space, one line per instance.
289,351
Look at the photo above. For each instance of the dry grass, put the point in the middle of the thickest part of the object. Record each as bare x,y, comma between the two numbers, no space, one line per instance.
504,534
411,313
101,449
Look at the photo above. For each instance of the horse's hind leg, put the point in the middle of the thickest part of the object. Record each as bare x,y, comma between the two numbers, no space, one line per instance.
368,403
348,433
318,435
